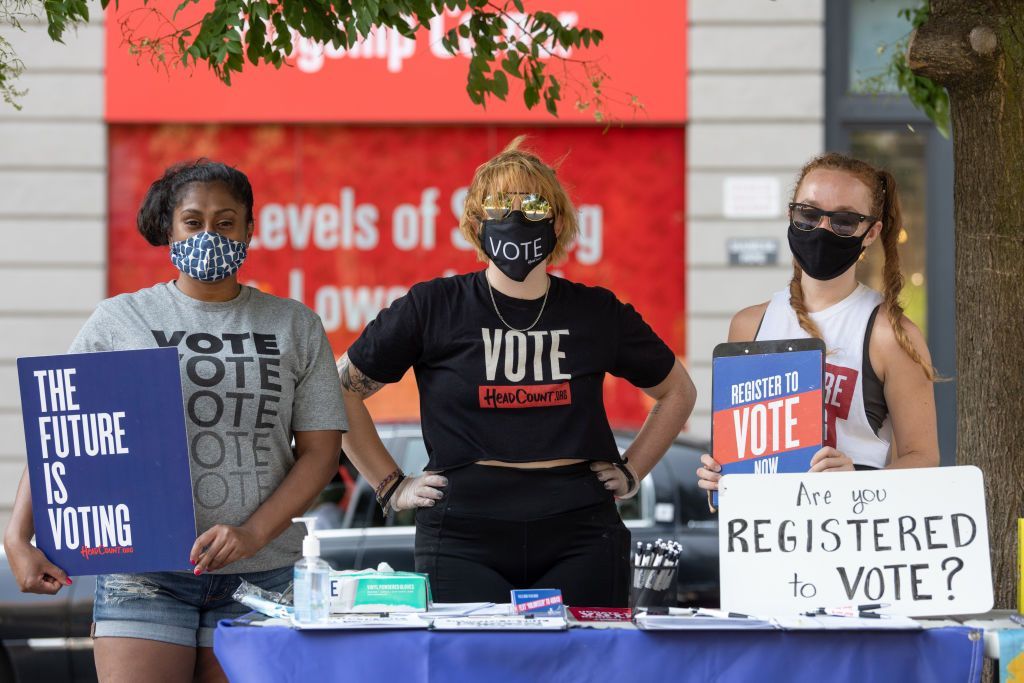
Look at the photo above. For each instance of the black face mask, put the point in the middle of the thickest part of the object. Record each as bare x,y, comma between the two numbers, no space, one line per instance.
516,244
822,254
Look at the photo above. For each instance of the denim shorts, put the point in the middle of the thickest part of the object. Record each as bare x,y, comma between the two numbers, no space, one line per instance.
173,607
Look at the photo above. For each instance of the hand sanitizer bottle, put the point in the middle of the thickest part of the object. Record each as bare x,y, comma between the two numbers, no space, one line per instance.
312,579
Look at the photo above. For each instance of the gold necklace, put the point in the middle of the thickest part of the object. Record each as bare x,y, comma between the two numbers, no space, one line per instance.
505,322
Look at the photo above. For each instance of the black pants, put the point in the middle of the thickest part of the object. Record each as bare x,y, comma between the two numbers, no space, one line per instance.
501,528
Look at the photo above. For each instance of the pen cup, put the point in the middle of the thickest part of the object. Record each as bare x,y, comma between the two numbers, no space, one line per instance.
652,587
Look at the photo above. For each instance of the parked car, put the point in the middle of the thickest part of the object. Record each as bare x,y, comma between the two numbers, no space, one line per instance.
46,638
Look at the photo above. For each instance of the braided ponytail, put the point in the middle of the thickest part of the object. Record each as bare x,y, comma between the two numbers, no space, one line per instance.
796,302
892,276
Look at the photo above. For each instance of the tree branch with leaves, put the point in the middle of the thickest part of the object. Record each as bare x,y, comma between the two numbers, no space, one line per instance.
503,42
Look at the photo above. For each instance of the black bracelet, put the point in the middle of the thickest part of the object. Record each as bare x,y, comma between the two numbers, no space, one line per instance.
630,479
385,499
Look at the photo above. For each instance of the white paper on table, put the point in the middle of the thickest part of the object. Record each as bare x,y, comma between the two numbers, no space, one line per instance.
825,622
364,622
455,609
500,623
501,609
699,622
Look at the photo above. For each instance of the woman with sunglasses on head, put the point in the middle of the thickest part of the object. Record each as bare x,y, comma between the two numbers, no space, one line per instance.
523,469
878,372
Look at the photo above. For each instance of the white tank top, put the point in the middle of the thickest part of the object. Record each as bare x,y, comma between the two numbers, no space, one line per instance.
843,326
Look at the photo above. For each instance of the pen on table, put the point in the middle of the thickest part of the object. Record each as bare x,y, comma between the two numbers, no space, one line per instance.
874,605
847,612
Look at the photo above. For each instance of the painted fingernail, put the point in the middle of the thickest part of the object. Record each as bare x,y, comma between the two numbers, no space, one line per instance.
67,581
191,561
197,571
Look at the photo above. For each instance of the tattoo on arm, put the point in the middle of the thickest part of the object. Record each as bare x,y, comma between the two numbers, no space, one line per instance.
656,408
355,381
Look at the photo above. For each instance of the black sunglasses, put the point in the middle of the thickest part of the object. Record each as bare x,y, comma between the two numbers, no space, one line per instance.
843,223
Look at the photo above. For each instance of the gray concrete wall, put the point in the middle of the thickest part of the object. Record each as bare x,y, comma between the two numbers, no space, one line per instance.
756,99
53,205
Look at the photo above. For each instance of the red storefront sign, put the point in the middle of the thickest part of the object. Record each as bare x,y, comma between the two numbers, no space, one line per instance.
348,218
389,78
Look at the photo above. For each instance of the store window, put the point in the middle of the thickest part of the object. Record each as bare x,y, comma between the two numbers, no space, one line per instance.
875,29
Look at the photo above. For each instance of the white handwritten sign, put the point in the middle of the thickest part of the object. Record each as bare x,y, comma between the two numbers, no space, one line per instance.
915,539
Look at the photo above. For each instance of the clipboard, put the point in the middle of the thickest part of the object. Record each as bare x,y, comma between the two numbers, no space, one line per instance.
767,407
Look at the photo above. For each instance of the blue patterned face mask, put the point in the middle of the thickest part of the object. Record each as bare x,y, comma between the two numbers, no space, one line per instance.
208,256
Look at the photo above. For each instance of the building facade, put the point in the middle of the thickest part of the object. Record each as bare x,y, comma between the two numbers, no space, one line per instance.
768,86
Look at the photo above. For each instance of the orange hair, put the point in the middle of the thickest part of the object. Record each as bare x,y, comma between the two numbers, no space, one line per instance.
521,170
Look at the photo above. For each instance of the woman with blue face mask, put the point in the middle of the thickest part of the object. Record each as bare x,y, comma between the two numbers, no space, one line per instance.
257,372
510,362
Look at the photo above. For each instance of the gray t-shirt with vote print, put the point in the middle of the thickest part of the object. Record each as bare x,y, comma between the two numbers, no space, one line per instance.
253,371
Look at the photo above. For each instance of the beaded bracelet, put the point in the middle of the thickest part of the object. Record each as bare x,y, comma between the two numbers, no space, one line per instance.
378,491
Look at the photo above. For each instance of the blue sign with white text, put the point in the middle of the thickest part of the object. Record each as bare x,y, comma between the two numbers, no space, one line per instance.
108,460
539,601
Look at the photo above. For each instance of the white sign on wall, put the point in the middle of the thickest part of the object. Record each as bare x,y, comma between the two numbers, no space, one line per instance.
751,197
915,539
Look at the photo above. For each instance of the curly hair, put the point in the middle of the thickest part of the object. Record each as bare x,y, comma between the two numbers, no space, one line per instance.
157,211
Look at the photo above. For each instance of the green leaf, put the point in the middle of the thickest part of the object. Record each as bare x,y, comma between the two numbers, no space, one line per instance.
530,97
552,105
500,82
511,64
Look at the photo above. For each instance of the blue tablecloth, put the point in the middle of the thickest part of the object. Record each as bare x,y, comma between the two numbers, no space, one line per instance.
251,654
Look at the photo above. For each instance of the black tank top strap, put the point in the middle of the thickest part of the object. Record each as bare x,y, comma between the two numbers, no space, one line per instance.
760,322
875,406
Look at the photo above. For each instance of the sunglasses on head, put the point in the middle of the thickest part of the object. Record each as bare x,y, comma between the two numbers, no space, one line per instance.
843,223
500,204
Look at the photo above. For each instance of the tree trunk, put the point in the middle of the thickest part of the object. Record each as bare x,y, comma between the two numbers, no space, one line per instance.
975,48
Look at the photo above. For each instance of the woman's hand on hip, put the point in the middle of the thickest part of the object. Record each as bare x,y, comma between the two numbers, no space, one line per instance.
708,473
829,459
418,492
221,545
615,480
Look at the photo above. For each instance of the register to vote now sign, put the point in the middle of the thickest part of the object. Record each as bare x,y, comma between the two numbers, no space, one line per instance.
108,460
916,539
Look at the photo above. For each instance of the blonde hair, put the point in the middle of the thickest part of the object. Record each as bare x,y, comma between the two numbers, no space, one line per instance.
885,204
518,170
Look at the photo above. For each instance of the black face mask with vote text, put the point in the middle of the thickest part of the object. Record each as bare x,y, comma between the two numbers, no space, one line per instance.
516,244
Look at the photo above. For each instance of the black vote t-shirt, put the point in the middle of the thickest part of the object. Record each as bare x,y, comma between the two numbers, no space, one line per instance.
490,393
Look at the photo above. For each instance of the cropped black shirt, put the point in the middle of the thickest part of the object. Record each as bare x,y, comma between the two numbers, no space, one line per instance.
488,392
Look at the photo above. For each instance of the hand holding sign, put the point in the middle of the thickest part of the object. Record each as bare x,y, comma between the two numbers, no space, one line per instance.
829,459
221,545
108,465
33,572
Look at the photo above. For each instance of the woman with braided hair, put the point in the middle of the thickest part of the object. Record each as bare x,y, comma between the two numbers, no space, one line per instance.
878,373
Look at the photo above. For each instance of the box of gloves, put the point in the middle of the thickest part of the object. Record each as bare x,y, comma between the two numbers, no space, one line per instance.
379,590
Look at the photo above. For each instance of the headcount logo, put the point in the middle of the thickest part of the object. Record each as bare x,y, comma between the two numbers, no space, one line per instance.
66,432
521,356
